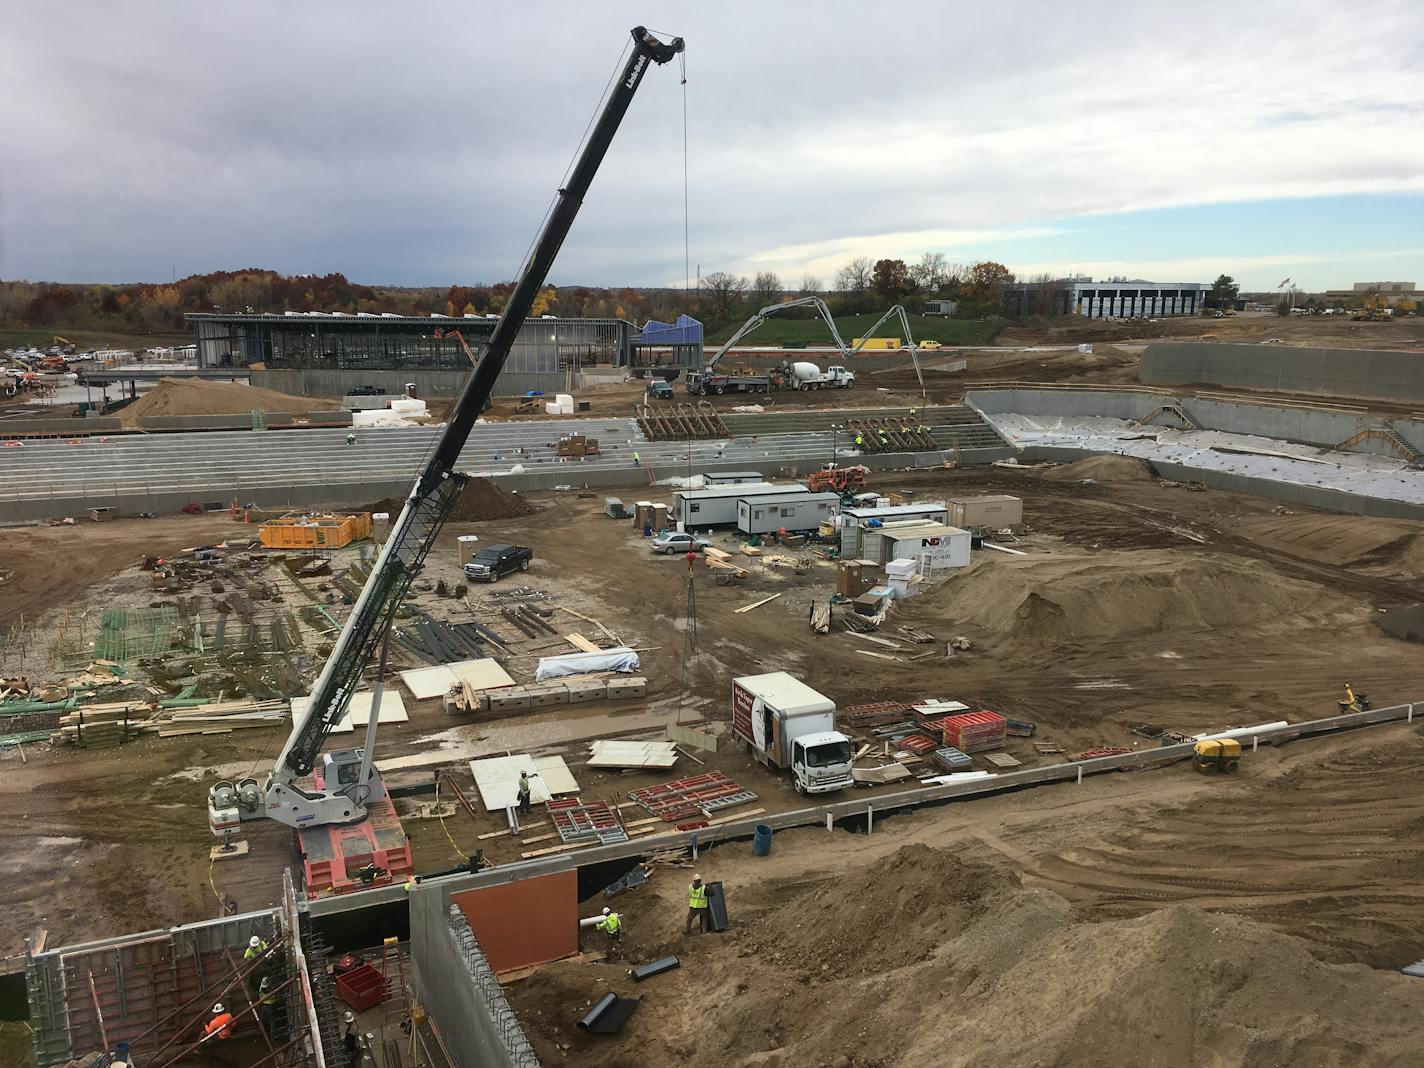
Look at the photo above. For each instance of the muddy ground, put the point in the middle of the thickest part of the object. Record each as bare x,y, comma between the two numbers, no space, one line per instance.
1097,630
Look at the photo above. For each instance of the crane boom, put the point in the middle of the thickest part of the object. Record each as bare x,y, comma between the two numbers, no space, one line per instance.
350,782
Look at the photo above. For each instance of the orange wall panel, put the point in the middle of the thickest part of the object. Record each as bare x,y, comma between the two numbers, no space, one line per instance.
532,921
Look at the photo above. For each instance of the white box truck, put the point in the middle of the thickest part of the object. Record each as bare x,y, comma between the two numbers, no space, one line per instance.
790,726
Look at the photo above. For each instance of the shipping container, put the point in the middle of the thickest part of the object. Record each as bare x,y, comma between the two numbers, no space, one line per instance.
791,511
933,546
992,512
315,531
857,519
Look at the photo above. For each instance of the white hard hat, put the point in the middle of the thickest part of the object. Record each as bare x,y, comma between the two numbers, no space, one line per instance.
605,910
254,941
218,1008
348,1016
697,878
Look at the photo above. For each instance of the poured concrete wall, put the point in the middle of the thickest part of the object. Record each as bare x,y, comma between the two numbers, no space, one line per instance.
428,383
458,989
1309,426
1372,374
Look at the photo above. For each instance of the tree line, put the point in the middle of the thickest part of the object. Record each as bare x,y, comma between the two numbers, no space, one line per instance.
861,285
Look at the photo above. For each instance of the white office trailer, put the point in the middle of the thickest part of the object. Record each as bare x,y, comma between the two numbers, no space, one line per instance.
856,520
933,546
732,478
717,505
789,511
990,512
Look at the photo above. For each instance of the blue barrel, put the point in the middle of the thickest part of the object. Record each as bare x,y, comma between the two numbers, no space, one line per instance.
121,1052
761,841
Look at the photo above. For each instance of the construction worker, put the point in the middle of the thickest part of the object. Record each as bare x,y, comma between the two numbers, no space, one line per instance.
524,791
351,1040
696,906
220,1026
478,863
611,925
256,946
859,439
267,1008
351,437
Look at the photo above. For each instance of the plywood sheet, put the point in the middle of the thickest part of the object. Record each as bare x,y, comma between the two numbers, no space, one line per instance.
498,779
358,712
428,682
619,754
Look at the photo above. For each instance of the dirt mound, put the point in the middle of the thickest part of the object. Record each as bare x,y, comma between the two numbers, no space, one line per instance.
187,396
1036,601
480,502
1101,469
890,915
1387,547
1174,987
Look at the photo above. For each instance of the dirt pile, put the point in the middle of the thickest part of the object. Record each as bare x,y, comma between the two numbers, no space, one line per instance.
1385,547
480,502
1037,601
186,396
1101,469
925,895
1175,987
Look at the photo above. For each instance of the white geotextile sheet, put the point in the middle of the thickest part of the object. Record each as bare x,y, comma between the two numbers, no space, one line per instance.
557,667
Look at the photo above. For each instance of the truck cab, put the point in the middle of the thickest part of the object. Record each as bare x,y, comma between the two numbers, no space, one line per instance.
821,762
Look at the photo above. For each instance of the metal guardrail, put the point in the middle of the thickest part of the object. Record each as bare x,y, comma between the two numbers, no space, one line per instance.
1074,771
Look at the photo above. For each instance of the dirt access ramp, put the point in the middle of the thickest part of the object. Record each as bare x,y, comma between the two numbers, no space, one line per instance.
187,396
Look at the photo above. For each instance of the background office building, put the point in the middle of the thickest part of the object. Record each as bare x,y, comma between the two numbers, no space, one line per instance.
1119,298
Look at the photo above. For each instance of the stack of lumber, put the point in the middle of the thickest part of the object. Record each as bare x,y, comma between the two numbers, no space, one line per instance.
110,723
223,717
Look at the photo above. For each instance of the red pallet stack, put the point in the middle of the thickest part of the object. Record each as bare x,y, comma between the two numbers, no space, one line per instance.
974,732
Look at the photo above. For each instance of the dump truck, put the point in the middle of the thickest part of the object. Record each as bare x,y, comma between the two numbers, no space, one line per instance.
790,726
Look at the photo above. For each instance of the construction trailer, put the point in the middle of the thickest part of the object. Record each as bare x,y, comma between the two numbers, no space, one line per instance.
785,511
732,478
717,505
856,520
933,546
994,512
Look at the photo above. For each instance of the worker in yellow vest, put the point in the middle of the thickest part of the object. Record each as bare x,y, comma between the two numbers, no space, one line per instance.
611,925
696,906
256,946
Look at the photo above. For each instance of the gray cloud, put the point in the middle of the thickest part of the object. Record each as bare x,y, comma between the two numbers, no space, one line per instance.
420,144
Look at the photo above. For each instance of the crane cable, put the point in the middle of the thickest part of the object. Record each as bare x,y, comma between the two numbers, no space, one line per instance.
686,243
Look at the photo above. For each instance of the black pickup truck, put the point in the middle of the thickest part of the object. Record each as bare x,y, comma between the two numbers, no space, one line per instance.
492,561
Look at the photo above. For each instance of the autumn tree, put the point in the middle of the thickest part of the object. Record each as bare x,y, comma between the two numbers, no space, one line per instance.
891,279
985,282
722,292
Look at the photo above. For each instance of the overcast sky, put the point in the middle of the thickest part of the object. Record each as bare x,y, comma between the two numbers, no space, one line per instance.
420,143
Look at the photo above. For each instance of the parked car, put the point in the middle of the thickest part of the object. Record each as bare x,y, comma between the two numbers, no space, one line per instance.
674,541
492,561
366,391
659,390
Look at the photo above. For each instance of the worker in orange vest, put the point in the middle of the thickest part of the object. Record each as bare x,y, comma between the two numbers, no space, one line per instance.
220,1026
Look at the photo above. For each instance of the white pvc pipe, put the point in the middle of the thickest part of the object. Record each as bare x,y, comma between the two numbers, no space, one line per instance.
1243,732
590,921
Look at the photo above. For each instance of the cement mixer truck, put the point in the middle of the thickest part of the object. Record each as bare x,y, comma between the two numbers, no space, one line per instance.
803,375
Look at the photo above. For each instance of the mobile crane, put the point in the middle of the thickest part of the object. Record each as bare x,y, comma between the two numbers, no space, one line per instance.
800,375
347,792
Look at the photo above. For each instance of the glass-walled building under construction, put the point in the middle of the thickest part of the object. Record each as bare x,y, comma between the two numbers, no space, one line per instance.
546,355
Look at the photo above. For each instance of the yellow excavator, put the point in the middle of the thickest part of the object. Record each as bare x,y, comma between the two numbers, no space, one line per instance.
1354,702
1221,755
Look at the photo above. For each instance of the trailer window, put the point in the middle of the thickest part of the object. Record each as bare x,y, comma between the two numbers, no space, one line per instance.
830,753
787,513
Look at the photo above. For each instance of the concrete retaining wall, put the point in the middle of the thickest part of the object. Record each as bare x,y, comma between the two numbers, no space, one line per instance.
100,424
454,983
1309,426
1293,493
428,383
1372,374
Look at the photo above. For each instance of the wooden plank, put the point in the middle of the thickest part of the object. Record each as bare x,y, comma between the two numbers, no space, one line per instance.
505,830
887,642
568,848
735,816
756,604
541,838
578,641
880,656
861,751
